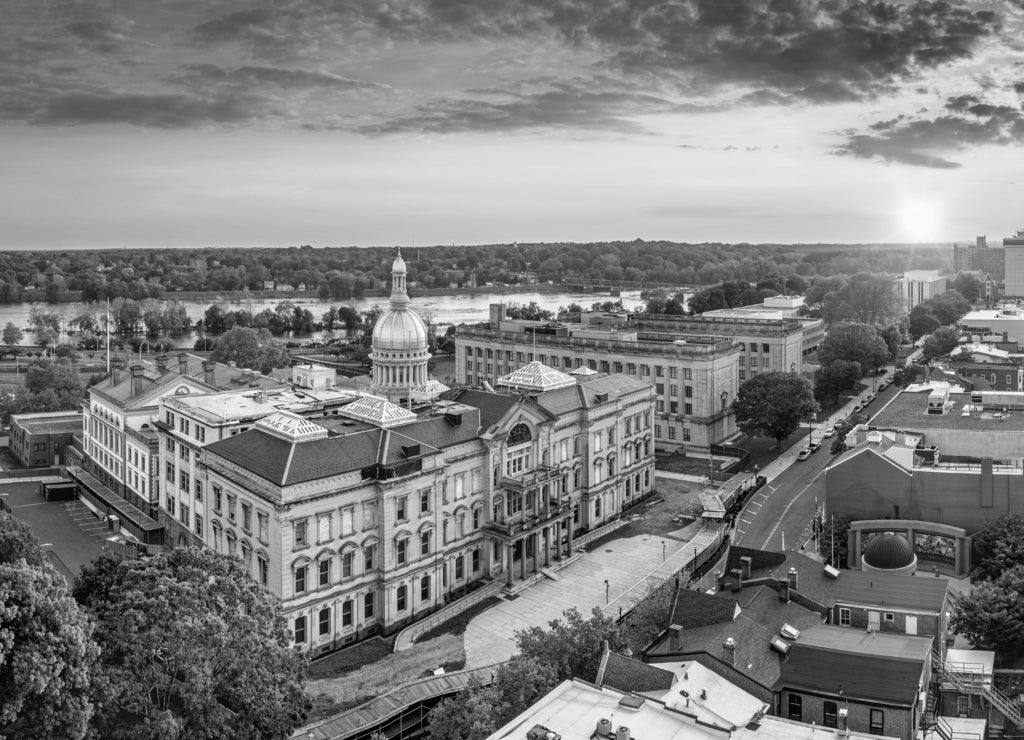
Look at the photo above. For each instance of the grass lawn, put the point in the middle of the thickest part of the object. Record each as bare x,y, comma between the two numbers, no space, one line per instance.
675,508
351,658
394,669
457,624
675,462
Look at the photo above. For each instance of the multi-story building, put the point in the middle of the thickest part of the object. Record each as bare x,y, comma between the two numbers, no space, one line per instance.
119,439
37,440
914,287
363,521
695,373
1013,247
777,308
980,257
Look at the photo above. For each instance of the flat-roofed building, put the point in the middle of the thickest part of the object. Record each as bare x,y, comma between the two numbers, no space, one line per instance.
695,373
1013,247
914,287
1004,324
37,440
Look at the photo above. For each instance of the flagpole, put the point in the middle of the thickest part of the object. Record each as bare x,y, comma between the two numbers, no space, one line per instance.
108,336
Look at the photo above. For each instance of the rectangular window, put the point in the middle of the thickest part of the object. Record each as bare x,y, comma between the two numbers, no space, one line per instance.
324,573
348,521
876,725
686,434
231,508
659,371
301,535
247,517
199,490
170,472
673,389
300,579
346,614
400,508
459,568
300,630
764,361
687,373
476,560
476,518
324,622
765,348
368,606
368,555
401,551
830,717
425,588
631,368
261,520
400,599
688,391
659,406
199,524
184,481
183,514
688,409
264,568
657,430
369,515
796,706
425,543
323,528
672,432
743,374
217,498
844,617
659,388
346,564
673,407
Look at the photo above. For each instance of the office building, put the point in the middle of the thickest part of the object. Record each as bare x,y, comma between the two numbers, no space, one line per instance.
914,287
38,440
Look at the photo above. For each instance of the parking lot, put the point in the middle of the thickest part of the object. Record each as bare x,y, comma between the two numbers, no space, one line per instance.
67,530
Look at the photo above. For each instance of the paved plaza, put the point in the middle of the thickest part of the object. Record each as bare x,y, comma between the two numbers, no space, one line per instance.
623,563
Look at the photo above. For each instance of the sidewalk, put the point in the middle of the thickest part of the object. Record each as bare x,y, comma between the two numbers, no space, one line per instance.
624,563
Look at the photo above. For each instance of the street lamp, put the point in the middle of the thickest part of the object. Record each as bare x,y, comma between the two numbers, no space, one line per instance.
606,591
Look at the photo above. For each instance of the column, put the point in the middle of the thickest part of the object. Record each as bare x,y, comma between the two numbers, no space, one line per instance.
547,547
568,548
535,539
508,563
522,558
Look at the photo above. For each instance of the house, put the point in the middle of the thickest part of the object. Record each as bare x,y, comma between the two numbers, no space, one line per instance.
873,682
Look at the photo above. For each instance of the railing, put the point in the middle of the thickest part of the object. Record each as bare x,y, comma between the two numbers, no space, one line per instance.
946,732
975,684
538,476
585,539
519,522
409,635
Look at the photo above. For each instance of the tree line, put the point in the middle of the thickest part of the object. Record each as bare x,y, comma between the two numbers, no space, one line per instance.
342,273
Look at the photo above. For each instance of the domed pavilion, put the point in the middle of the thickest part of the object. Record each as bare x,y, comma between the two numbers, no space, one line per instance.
889,553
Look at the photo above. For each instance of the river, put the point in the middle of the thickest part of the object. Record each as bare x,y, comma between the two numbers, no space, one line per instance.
443,310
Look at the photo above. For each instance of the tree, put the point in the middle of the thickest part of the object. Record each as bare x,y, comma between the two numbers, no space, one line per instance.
941,342
649,616
531,312
773,405
1000,546
858,343
59,376
922,321
192,647
866,298
573,647
47,651
892,335
948,307
969,286
832,538
991,616
835,379
12,334
240,345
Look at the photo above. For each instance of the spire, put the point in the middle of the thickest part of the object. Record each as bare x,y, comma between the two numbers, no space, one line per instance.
399,298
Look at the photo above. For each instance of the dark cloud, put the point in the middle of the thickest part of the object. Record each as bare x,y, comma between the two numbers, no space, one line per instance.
1018,87
925,142
260,76
157,111
98,34
233,26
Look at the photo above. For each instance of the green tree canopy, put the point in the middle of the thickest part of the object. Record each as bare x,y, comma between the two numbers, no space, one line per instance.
12,334
773,405
193,647
991,616
1000,546
866,298
573,647
969,286
250,348
858,343
47,651
941,342
948,307
922,320
835,379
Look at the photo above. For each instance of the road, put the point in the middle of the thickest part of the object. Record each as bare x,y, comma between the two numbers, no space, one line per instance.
779,515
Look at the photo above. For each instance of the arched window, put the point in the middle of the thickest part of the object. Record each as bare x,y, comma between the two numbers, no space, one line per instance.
598,471
611,465
300,575
216,536
246,549
520,434
597,507
231,542
496,513
262,568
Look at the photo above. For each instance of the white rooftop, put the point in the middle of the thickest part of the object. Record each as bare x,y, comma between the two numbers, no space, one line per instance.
290,426
583,371
377,411
536,376
726,704
231,406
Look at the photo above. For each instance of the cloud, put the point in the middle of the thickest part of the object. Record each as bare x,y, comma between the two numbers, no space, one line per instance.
249,77
158,111
235,26
924,141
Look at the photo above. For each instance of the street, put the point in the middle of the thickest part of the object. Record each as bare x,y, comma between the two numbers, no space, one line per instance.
779,515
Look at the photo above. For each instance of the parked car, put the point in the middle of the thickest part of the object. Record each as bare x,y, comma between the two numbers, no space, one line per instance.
814,446
804,454
829,433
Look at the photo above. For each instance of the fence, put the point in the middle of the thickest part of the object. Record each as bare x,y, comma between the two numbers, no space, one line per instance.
741,459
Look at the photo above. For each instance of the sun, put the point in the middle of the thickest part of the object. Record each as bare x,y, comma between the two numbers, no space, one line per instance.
920,220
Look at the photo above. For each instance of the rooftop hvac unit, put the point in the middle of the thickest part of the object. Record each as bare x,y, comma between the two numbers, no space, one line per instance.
831,572
789,632
779,645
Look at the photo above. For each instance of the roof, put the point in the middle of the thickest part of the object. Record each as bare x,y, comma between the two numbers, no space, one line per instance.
870,666
57,422
630,674
291,427
889,551
760,560
886,589
378,411
536,376
692,609
908,410
492,406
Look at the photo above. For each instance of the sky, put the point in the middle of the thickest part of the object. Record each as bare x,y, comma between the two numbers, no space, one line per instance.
176,123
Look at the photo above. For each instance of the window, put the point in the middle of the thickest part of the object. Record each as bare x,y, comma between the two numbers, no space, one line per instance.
686,434
216,498
184,481
876,725
425,588
765,348
890,617
764,361
401,551
659,371
796,705
657,430
424,502
476,561
183,514
324,573
687,373
963,706
368,606
199,490
844,617
673,389
170,445
400,598
743,374
672,431
323,528
300,630
659,388
346,564
231,512
631,368
659,406
476,518
459,568
831,714
324,622
346,613
199,524
400,508
688,409
674,407
300,533
368,553
261,521
264,568
247,517
688,391
425,542
369,515
300,578
170,472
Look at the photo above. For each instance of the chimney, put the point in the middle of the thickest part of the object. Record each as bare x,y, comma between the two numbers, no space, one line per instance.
730,650
738,572
209,376
497,315
675,635
161,363
792,576
745,565
784,590
115,371
136,371
604,727
622,733
182,363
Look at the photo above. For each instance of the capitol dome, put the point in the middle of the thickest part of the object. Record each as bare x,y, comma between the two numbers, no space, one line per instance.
889,553
399,350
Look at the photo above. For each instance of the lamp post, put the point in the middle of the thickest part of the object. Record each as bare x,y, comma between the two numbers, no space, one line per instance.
810,430
606,591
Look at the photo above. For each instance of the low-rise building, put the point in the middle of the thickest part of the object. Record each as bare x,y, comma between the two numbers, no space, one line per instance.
38,440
